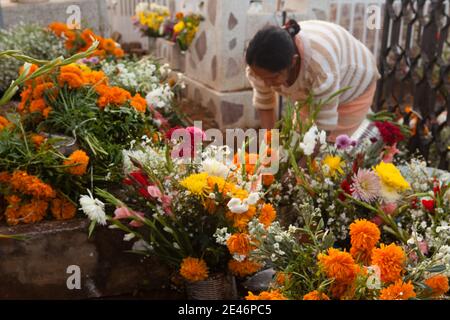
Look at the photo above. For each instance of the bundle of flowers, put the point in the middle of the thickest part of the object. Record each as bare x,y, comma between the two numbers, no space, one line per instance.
182,29
79,40
79,102
193,214
149,18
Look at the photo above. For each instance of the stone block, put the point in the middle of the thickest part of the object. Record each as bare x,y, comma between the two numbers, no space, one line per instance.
219,46
170,53
93,13
230,109
36,268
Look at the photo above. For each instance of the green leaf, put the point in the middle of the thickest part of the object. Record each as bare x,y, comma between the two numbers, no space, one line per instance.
91,228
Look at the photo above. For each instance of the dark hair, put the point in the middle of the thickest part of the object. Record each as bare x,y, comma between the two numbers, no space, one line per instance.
272,48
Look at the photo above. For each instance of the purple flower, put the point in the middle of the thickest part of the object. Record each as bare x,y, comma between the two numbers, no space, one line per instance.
366,185
344,142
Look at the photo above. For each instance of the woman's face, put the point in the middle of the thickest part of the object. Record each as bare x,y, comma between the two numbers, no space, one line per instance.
270,78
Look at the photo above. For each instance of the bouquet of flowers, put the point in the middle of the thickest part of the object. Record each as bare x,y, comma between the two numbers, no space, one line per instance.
77,40
150,18
194,215
183,30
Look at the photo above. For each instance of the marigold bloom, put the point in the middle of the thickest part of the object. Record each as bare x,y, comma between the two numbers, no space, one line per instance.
241,220
113,95
268,179
193,269
80,160
267,215
390,259
29,213
27,184
266,295
339,265
72,79
108,45
364,236
439,285
315,295
398,291
243,268
118,52
62,209
95,78
58,28
239,243
37,140
38,105
39,90
139,103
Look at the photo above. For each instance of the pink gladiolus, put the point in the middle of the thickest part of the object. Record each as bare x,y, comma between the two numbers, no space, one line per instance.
390,152
154,191
377,220
389,208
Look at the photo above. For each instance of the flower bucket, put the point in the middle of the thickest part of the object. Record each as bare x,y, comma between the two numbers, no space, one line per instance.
152,45
218,286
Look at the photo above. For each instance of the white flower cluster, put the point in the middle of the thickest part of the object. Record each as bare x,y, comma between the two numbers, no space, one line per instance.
221,235
151,158
310,139
160,96
443,257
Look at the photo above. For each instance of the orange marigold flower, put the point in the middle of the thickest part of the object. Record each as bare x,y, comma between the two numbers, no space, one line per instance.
80,160
108,44
315,295
268,179
62,209
58,28
243,268
29,213
266,295
241,220
239,243
118,52
364,236
139,103
72,68
73,80
439,285
267,215
398,291
193,269
390,259
38,105
4,123
113,95
30,185
46,112
339,265
250,160
95,78
39,90
5,177
37,140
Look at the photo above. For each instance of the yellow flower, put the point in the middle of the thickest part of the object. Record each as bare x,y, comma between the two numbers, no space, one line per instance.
196,183
334,164
392,181
179,27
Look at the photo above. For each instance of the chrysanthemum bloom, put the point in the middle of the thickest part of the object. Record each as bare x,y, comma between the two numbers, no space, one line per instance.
390,259
392,181
390,133
439,285
139,103
267,215
80,160
334,164
243,268
241,220
338,265
315,295
398,291
266,295
62,209
364,236
93,208
239,243
344,142
196,183
193,269
366,186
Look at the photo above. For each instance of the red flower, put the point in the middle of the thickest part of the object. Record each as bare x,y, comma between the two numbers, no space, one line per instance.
169,133
428,204
346,186
140,178
390,133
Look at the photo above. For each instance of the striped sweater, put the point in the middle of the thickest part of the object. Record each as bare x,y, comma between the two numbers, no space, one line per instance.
332,59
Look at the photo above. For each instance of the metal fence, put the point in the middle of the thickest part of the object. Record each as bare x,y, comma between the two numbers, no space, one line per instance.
415,66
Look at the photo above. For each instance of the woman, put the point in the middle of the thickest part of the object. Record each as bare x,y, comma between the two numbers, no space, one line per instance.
322,58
